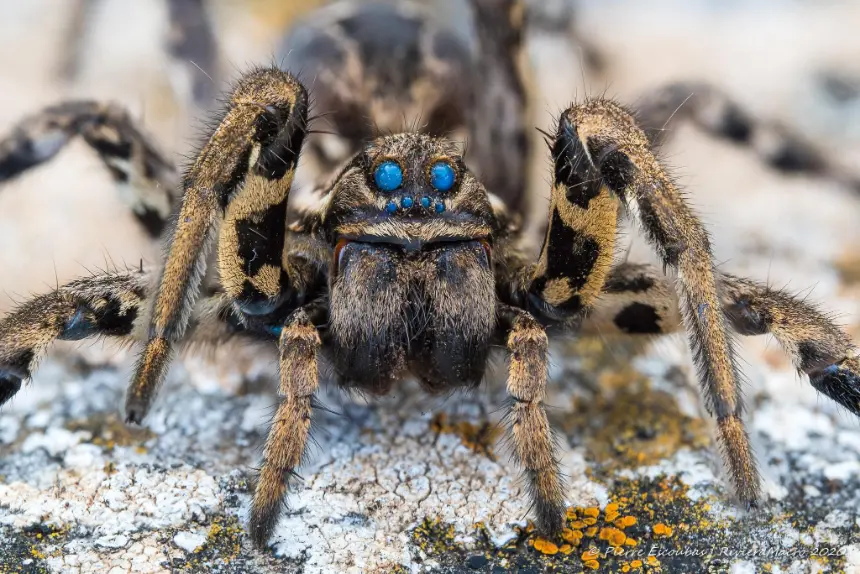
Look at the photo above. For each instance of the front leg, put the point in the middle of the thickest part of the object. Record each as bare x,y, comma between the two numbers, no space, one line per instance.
579,246
620,152
247,164
533,442
299,345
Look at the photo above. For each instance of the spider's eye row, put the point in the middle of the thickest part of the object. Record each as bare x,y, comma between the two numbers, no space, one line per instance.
442,176
388,175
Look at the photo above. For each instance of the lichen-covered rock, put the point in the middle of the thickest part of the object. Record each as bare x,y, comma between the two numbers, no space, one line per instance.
420,485
411,484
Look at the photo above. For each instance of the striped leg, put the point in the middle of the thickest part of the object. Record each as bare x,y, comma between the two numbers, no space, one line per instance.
713,111
579,244
104,305
146,179
639,300
244,171
620,152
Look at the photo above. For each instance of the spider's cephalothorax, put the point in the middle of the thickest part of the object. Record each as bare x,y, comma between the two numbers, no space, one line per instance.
410,228
405,263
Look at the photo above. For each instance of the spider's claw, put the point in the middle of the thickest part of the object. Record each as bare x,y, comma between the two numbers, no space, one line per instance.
262,522
135,412
9,386
841,382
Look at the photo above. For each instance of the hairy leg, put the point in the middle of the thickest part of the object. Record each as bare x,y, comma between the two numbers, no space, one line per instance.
105,305
579,244
716,113
144,176
533,442
638,299
244,171
621,153
109,305
299,346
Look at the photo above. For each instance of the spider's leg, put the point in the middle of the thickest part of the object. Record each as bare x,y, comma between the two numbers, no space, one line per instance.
106,305
145,178
638,299
532,435
817,346
244,171
285,446
621,153
579,244
498,142
713,111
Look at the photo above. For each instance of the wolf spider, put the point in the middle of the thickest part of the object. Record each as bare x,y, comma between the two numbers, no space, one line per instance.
404,261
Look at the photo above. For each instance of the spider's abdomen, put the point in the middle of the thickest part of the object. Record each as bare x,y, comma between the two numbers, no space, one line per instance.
429,312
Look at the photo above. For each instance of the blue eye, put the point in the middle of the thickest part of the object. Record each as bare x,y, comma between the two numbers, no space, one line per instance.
388,176
442,176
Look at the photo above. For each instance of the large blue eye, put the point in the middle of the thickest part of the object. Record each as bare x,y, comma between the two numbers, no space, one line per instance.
388,176
442,175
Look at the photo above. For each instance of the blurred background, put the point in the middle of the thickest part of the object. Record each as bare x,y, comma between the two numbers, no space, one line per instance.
787,61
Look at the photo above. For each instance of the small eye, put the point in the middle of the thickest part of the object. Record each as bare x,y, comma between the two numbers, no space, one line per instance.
388,176
442,175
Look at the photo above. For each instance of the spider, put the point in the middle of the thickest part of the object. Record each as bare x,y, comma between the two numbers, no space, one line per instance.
406,259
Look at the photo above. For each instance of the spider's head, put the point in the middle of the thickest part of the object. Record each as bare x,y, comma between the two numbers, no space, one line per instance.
409,190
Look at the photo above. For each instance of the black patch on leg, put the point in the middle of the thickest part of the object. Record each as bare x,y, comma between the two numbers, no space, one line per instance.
570,254
572,166
20,160
794,158
735,125
638,318
281,133
9,386
840,384
108,321
224,190
261,238
617,171
110,149
18,366
813,356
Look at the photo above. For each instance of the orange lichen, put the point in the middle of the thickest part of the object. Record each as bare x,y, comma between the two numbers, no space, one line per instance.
592,512
590,532
625,521
661,529
592,564
545,546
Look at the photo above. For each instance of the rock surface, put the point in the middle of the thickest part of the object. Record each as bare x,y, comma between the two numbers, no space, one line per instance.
411,484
